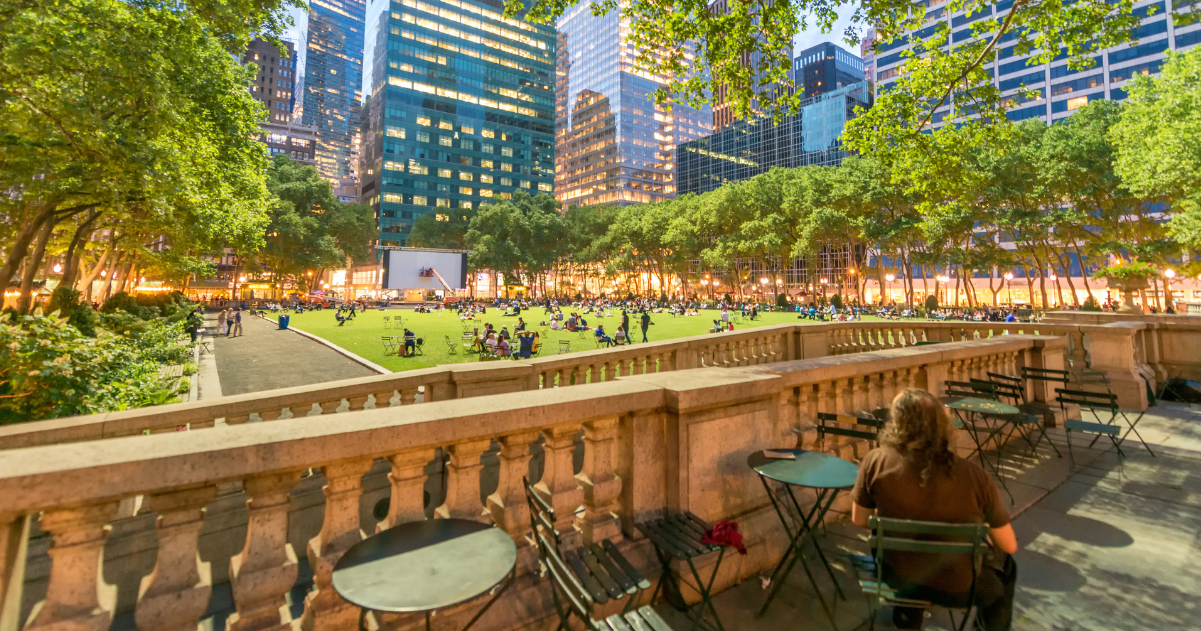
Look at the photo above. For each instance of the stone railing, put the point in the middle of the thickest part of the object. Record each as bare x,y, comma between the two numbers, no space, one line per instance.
144,526
1118,349
1170,344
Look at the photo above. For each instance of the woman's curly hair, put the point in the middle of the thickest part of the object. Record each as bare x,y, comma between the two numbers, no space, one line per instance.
921,430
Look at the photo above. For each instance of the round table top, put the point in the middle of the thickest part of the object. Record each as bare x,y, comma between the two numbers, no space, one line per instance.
424,565
984,406
810,469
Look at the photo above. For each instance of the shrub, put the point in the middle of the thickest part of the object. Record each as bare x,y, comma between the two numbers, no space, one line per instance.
1090,304
65,301
931,303
836,300
781,301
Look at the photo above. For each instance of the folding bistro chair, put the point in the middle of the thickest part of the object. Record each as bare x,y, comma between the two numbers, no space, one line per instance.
468,342
1098,404
679,537
900,535
589,576
1009,390
851,426
387,322
451,347
564,346
389,344
977,424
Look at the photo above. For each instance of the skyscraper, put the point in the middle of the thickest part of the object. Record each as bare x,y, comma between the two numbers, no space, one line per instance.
868,52
1060,90
331,73
273,87
826,67
461,110
612,144
723,110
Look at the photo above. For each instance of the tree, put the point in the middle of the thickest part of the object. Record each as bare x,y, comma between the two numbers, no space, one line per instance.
518,238
309,228
131,117
1158,140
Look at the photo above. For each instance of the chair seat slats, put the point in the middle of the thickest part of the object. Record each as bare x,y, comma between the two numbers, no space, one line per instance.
627,584
595,590
611,587
653,618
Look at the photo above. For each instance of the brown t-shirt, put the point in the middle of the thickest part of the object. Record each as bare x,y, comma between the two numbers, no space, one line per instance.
890,482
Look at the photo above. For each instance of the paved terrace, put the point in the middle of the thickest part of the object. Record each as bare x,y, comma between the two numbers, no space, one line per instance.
1102,547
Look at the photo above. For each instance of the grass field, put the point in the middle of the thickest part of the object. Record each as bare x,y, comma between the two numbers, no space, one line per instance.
362,336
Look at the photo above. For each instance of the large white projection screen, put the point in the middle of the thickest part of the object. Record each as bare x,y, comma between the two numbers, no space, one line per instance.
403,269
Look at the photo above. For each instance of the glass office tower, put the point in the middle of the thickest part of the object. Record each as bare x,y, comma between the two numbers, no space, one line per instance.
747,148
461,111
612,145
331,75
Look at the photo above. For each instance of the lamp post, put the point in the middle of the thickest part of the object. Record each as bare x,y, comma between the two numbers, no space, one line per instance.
1009,287
886,291
825,281
763,281
1058,298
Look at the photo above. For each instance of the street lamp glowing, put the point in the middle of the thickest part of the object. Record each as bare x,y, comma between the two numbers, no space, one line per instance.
705,282
763,281
824,281
57,268
889,277
1170,273
1052,276
1008,275
852,270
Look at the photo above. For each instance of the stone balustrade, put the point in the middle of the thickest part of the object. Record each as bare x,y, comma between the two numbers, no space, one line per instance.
146,526
1169,345
1122,350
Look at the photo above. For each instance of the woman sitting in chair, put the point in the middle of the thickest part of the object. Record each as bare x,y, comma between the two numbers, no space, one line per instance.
915,475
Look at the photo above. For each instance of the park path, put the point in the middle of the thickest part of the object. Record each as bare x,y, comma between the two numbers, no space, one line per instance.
266,358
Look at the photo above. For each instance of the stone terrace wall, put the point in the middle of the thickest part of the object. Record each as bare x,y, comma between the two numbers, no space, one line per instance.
623,450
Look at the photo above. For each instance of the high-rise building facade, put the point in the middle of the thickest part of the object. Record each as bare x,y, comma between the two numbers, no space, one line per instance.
747,148
461,111
612,144
330,88
1060,89
825,68
867,52
273,87
723,109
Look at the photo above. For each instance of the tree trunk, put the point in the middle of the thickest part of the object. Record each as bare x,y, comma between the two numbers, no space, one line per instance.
107,275
72,259
91,277
32,266
19,249
1083,273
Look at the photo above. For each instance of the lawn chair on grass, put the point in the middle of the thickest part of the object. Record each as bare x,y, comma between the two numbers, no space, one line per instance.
451,347
901,535
389,344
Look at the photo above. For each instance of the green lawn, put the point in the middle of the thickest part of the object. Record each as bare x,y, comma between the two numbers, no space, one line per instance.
362,336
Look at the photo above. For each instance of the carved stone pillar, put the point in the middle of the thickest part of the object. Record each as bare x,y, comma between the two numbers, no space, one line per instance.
357,402
463,480
76,598
559,484
508,505
408,484
176,593
383,398
324,609
600,483
266,569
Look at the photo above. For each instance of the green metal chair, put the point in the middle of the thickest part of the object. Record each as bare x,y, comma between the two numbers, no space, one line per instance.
1098,403
1025,424
851,426
902,535
588,576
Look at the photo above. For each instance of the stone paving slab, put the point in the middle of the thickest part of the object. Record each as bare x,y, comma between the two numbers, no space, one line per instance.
266,358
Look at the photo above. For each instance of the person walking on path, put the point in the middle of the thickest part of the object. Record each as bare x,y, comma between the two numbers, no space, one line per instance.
645,322
625,322
220,321
193,323
237,323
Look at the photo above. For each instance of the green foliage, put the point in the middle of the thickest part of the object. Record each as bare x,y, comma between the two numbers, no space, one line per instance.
65,301
1129,271
931,303
781,301
1159,141
1090,304
49,369
836,301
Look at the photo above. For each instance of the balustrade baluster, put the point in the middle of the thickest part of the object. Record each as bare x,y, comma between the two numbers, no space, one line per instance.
357,402
559,484
601,486
508,504
324,609
408,396
237,419
270,415
266,569
329,407
383,398
176,593
407,502
76,597
858,393
463,480
842,397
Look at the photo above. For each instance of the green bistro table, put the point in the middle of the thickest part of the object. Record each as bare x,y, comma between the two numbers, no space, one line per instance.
423,566
826,475
972,414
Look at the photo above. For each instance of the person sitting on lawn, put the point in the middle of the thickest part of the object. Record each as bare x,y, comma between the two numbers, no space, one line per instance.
601,336
525,344
410,343
502,348
520,325
572,323
490,342
619,338
554,325
504,332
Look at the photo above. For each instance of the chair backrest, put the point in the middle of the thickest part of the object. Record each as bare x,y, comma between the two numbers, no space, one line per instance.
927,537
860,426
1046,374
1013,393
970,389
546,540
1087,400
